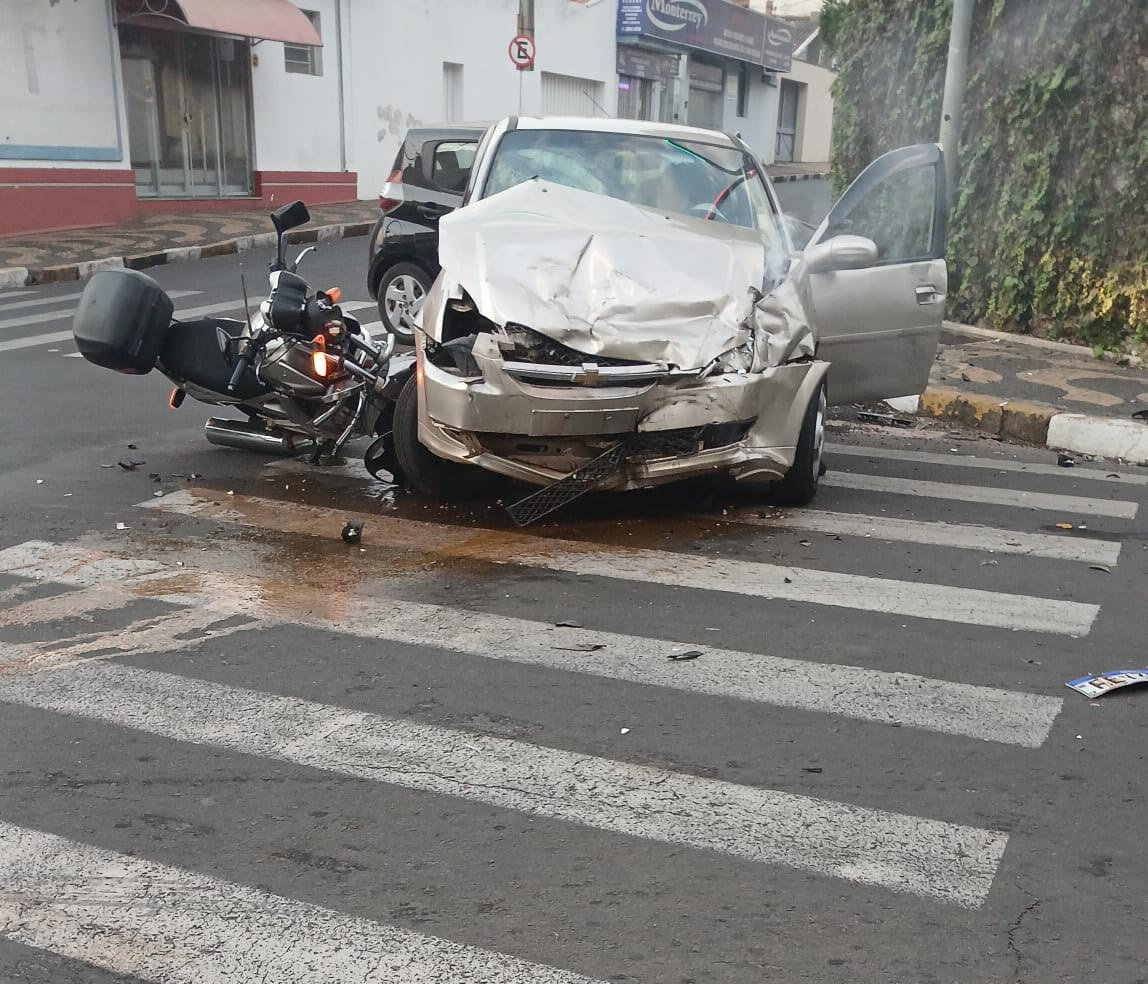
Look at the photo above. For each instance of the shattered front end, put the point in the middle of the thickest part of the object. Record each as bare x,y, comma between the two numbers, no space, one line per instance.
580,343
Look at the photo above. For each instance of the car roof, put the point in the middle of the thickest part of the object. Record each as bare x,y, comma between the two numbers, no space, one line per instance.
645,128
448,130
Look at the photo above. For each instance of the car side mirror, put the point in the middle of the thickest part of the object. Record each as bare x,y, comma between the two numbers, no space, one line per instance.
841,253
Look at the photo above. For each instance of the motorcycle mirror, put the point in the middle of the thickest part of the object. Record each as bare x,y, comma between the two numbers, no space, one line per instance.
284,219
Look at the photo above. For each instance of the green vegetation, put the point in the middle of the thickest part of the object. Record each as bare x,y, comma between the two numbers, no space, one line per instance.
1049,230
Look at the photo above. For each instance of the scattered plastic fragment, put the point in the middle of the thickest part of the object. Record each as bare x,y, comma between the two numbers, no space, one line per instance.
353,531
625,731
158,494
885,419
681,657
988,563
1064,526
39,481
1105,683
129,465
1065,460
1100,567
122,526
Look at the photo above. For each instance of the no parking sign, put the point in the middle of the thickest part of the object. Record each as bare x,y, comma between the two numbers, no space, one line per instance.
523,52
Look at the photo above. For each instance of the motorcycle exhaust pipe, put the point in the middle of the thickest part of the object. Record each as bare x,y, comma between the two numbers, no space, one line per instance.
246,436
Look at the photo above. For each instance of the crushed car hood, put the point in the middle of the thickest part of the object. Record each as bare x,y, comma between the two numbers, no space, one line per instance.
605,277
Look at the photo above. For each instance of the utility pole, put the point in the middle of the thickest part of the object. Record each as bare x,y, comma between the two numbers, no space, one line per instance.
525,28
956,81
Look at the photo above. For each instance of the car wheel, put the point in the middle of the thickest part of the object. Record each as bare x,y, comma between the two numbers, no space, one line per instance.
426,472
799,487
402,290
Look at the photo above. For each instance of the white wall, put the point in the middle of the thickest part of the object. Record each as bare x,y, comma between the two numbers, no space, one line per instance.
758,127
59,81
815,112
396,58
297,116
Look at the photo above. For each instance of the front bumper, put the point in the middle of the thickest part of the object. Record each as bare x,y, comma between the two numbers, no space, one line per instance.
540,432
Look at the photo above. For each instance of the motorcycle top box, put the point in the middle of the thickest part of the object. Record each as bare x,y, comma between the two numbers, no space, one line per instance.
122,321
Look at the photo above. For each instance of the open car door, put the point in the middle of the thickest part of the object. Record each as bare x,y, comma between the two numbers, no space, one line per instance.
878,277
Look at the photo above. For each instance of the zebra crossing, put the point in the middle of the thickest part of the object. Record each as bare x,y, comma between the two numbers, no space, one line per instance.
34,323
140,634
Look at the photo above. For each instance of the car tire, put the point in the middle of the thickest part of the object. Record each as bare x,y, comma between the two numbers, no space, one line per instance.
399,286
799,487
424,471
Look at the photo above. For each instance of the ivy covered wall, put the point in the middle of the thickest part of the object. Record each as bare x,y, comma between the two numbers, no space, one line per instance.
1049,232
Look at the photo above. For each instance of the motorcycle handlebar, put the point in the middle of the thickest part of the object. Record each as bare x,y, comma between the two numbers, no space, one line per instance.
240,368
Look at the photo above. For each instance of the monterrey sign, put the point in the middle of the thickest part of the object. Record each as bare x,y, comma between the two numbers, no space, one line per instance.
716,26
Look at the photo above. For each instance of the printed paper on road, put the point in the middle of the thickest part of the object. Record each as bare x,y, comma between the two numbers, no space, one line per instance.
1105,683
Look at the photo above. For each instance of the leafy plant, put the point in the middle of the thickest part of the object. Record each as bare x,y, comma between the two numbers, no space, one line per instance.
1049,228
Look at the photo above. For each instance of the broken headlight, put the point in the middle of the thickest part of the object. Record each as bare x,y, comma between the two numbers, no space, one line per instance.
521,344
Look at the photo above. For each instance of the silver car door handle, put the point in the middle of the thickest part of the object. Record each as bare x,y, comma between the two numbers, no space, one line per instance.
926,294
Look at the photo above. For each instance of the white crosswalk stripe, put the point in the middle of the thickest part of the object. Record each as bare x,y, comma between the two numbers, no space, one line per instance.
173,926
1069,505
929,858
970,606
68,897
984,713
989,464
47,317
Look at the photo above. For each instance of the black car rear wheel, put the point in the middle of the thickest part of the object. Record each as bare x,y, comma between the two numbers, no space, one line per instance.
402,290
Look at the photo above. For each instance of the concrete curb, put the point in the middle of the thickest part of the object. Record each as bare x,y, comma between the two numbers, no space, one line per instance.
1035,424
810,176
1082,351
14,277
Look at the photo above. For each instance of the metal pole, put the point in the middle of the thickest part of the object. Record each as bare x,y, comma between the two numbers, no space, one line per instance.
956,80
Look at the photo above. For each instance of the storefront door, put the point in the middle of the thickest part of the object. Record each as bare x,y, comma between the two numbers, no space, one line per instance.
188,120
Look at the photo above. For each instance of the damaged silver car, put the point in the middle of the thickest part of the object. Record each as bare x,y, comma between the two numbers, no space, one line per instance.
621,305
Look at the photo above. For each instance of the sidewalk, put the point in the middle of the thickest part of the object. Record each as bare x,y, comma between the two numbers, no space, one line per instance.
1047,394
153,240
1009,386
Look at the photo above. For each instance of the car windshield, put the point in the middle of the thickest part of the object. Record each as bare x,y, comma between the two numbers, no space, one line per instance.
701,179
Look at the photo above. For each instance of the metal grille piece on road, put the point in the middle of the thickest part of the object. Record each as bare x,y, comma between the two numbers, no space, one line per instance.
545,501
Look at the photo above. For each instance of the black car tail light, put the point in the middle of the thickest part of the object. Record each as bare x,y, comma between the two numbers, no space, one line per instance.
395,181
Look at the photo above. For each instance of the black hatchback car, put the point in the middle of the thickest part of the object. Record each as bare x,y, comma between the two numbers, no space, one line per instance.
428,181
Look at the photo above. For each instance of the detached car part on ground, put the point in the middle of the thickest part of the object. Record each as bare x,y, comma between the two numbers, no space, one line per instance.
620,306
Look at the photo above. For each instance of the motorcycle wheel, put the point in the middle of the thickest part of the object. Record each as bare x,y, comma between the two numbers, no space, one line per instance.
426,472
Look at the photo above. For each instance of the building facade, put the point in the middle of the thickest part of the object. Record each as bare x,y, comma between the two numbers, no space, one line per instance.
111,109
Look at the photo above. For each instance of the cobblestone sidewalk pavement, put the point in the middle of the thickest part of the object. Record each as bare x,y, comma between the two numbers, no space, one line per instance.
152,240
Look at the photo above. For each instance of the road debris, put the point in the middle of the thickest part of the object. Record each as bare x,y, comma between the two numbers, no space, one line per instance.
1065,460
815,769
884,419
129,465
1105,683
682,657
625,731
122,526
1064,526
352,531
568,625
1100,567
590,647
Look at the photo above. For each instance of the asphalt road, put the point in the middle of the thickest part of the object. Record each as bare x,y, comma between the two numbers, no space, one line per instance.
237,749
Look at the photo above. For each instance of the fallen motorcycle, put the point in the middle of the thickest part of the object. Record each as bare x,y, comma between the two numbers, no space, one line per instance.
305,373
